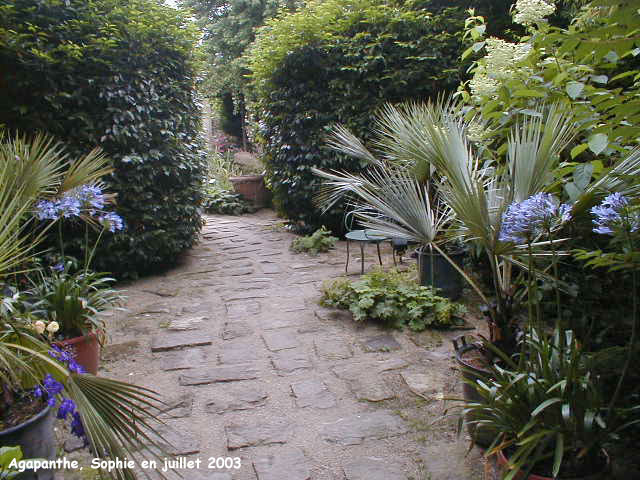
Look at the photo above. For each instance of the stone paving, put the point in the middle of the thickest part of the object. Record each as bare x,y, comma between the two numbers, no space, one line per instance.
251,367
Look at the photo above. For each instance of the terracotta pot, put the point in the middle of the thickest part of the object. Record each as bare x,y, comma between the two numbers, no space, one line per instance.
252,189
86,350
36,439
471,374
503,464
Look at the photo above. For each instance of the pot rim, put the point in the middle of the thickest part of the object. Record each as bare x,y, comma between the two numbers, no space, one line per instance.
28,422
241,178
534,476
422,251
74,340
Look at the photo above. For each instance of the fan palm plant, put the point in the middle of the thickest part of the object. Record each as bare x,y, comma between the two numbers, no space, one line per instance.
431,141
116,417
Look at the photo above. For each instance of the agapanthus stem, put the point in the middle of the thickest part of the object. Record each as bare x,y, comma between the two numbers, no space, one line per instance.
632,343
554,263
60,238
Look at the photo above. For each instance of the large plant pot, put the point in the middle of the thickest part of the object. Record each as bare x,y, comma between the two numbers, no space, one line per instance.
435,270
37,440
471,373
503,463
252,189
86,350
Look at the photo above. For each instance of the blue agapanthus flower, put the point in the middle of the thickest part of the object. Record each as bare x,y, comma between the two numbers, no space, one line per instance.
69,206
613,214
112,221
77,428
47,210
91,197
67,407
523,221
52,386
58,267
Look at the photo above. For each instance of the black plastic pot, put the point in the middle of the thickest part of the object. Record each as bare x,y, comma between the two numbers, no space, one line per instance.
471,375
436,271
37,440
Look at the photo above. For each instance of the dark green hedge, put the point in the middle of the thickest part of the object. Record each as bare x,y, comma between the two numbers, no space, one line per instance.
352,59
118,74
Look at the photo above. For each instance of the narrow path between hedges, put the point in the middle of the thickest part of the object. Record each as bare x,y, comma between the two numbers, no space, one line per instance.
253,368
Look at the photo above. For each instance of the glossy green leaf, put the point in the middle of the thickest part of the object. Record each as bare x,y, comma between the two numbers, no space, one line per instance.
598,143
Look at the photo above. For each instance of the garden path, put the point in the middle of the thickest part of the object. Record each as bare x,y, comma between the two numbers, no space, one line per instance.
251,367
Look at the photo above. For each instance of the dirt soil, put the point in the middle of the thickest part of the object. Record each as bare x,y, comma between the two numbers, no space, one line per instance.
250,366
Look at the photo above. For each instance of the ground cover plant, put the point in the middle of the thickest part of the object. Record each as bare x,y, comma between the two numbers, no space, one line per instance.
225,202
121,75
319,241
393,298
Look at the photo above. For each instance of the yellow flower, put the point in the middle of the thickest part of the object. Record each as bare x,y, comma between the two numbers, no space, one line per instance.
53,327
39,326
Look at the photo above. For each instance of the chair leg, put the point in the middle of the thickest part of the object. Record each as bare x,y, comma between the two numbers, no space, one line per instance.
347,264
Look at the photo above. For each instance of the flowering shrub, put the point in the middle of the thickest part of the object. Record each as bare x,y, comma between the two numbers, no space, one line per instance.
590,67
531,12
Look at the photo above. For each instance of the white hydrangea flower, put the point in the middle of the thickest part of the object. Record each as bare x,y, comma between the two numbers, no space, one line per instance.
530,12
502,55
483,85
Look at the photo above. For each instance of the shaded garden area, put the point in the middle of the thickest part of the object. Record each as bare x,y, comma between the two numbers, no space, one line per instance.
493,147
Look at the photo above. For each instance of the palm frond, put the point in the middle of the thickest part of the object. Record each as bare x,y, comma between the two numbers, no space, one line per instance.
534,149
623,178
342,140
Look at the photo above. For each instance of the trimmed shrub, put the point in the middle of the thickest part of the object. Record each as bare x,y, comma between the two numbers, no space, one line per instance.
336,62
119,74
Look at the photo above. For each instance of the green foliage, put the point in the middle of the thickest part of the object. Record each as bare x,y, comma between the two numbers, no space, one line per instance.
591,67
394,298
320,241
336,62
119,74
221,167
118,417
550,409
230,120
8,455
73,300
218,200
229,28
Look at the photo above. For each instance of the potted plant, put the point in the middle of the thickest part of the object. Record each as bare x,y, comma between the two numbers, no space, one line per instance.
547,412
69,307
39,379
392,200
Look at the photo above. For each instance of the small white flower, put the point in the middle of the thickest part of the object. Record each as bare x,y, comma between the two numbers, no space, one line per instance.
530,12
482,85
53,327
502,56
39,326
